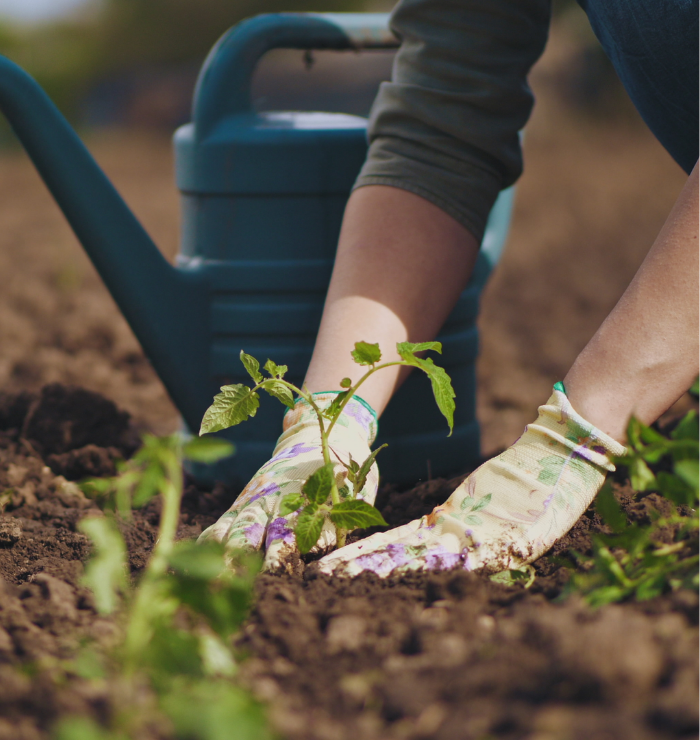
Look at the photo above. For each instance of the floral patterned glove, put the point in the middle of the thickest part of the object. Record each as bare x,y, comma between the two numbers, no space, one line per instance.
508,512
254,521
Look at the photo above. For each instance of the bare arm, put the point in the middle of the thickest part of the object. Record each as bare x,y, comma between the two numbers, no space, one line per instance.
645,354
402,263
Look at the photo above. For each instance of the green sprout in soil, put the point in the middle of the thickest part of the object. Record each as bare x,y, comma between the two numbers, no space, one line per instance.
175,626
322,497
659,552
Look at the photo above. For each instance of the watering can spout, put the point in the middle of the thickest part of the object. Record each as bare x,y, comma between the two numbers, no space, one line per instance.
156,298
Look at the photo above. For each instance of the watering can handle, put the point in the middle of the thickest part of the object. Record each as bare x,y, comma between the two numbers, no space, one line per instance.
224,84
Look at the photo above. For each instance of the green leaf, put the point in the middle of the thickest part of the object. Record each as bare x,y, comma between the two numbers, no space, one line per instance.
308,528
360,477
333,409
252,366
213,710
421,347
276,371
148,484
291,503
609,509
233,405
318,486
356,513
366,354
641,476
687,427
345,383
508,577
440,380
651,587
105,573
280,391
689,472
207,449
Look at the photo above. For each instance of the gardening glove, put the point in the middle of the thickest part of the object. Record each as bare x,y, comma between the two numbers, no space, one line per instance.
254,521
508,512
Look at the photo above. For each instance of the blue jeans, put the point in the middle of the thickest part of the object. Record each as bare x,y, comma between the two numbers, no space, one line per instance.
653,45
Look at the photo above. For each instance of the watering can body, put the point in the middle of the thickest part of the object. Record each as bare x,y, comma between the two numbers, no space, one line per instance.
262,197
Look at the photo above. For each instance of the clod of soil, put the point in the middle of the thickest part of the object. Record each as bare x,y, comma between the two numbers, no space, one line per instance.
64,418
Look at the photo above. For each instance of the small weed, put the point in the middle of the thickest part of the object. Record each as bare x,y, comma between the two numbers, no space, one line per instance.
638,560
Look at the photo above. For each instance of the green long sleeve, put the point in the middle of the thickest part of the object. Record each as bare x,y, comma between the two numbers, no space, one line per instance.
447,126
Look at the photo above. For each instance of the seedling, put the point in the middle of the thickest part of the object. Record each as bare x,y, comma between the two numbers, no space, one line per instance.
637,560
176,624
322,496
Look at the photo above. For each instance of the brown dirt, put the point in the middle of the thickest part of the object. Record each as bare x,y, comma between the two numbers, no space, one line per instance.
441,656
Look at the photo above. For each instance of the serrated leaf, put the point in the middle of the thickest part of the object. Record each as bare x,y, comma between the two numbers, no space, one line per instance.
412,348
207,449
609,509
333,409
233,405
252,366
366,354
280,391
355,514
308,528
318,486
105,572
291,503
360,477
276,371
439,379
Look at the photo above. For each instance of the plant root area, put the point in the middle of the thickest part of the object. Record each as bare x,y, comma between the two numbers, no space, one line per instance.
445,656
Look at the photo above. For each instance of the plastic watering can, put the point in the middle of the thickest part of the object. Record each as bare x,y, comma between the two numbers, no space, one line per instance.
262,201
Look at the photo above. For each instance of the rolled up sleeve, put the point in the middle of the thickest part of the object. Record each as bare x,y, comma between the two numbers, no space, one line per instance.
447,126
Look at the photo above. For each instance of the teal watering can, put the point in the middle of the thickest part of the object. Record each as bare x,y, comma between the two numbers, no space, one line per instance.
262,202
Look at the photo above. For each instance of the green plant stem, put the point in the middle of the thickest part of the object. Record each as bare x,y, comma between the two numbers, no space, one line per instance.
353,389
139,628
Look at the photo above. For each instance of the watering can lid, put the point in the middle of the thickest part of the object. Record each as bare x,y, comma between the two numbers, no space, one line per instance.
272,153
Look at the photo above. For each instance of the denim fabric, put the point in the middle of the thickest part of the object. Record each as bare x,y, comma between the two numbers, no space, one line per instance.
653,45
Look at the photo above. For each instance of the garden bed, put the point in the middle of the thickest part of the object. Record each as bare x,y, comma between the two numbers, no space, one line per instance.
441,655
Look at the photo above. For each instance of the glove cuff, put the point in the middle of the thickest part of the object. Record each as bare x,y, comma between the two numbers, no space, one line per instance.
559,421
357,414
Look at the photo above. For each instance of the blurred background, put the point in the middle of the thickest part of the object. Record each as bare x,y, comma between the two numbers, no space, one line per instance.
596,189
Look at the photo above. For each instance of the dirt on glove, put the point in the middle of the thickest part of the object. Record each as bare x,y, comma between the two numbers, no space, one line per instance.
438,655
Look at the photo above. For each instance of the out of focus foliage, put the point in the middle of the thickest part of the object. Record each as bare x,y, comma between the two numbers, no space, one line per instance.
124,36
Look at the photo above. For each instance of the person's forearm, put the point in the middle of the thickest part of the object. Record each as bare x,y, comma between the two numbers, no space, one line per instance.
645,354
401,265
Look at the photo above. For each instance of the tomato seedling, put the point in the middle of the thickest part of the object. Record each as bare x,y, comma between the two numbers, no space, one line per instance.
321,497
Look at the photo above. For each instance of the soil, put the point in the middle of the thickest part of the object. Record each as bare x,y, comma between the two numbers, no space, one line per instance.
441,655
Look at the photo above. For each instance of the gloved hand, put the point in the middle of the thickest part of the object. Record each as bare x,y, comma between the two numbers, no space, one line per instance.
253,522
508,512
